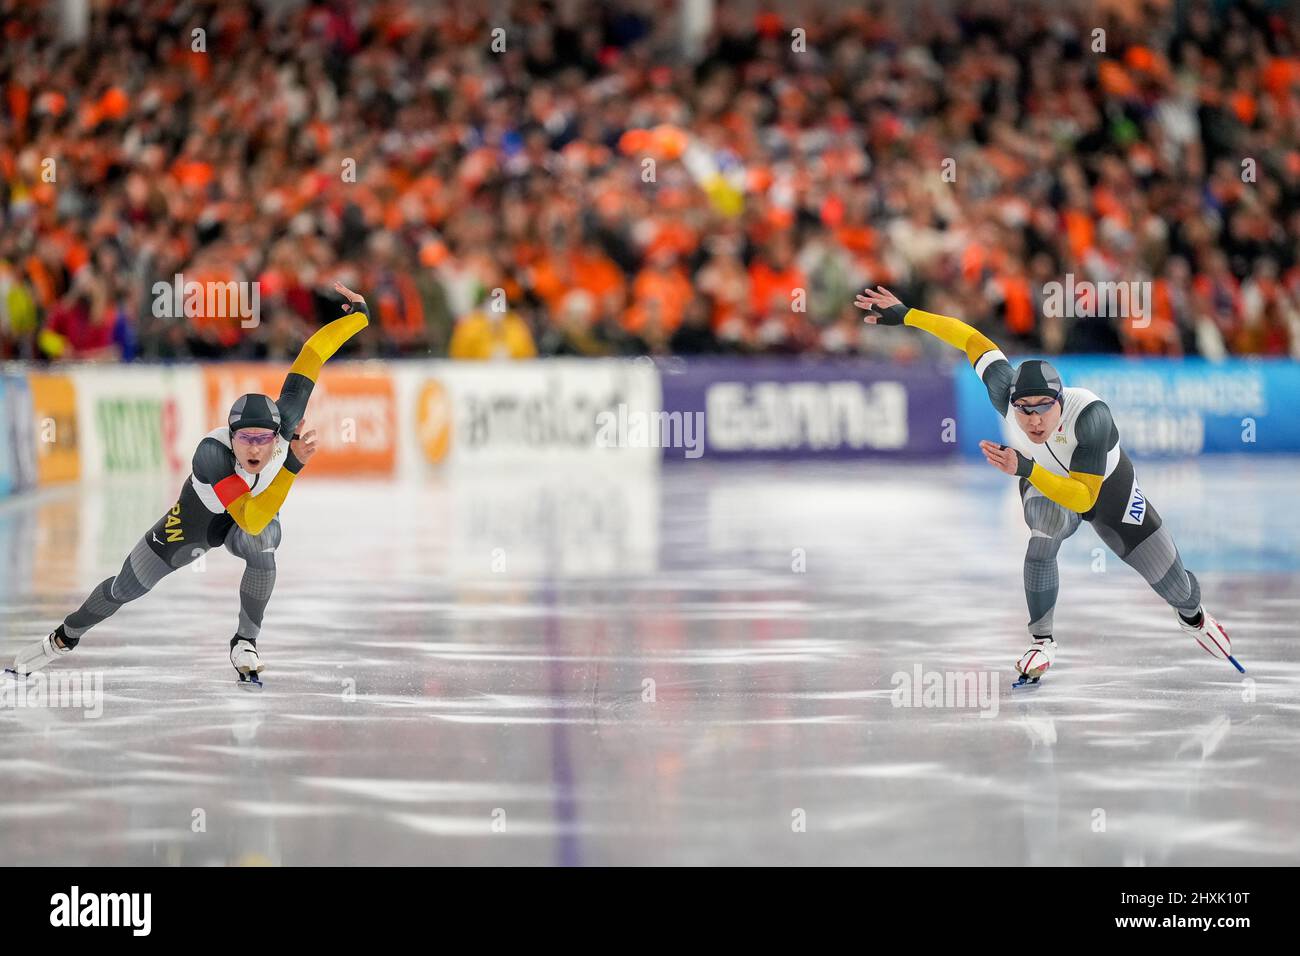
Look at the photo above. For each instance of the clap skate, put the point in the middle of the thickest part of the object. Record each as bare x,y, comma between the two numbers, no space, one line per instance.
1033,664
35,656
1213,639
248,665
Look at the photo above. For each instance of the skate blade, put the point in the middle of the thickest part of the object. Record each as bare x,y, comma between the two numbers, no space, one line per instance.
250,682
1234,663
1026,681
250,679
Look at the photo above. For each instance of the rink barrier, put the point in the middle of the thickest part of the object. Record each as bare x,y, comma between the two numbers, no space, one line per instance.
137,419
1167,408
524,413
353,410
797,409
54,427
374,419
18,469
413,419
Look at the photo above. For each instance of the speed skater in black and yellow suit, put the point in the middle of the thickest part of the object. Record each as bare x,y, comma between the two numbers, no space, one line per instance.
1067,455
242,472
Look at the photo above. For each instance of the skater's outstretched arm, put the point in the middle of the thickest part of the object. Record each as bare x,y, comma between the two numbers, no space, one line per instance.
316,351
1097,434
884,308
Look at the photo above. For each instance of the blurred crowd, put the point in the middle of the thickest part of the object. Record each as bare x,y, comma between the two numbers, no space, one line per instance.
580,178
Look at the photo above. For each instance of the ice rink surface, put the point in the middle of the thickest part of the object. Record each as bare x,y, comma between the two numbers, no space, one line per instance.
699,665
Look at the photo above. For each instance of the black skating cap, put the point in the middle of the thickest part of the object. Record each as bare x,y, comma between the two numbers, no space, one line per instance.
1034,378
254,411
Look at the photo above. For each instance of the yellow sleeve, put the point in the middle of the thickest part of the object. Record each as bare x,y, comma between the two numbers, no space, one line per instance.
1078,492
254,513
296,391
327,340
953,331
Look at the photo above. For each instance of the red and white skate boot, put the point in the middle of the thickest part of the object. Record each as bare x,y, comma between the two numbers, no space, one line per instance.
1033,663
1212,637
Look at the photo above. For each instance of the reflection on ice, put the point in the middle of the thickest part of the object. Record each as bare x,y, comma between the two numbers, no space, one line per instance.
691,666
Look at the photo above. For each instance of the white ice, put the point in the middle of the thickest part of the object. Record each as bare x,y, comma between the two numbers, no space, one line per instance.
692,666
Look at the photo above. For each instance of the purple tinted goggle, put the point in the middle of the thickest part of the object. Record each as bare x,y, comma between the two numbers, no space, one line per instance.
255,440
1035,409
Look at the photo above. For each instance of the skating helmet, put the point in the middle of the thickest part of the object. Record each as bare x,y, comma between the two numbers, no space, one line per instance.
254,411
1035,377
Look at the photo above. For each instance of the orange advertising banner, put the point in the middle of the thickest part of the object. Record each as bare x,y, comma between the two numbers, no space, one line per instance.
54,408
354,413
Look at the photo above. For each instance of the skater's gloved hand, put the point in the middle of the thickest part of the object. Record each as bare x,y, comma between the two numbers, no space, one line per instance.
301,448
1006,459
352,297
881,305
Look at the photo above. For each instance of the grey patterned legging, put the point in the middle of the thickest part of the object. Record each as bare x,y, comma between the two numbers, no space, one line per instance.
144,567
1147,547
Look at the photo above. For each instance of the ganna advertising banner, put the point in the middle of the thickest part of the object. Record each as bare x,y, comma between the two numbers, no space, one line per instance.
795,409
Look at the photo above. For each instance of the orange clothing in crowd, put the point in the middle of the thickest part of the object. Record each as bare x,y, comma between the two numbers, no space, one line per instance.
1278,76
597,274
671,289
226,329
1081,232
974,258
856,238
401,313
42,282
1160,335
672,236
192,173
771,290
555,277
1018,302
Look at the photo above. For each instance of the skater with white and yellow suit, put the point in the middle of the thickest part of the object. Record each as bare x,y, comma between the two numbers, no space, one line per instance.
1066,452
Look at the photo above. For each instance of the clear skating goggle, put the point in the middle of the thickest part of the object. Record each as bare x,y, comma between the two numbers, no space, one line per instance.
1040,409
255,440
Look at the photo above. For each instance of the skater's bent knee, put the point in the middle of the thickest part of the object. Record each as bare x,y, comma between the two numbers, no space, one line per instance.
262,545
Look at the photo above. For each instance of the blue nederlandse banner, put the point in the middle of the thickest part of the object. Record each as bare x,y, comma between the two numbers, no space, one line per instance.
1167,407
799,409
